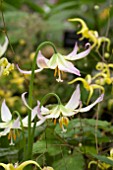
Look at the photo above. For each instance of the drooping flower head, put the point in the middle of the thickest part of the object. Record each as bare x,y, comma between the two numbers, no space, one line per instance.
59,62
9,124
60,111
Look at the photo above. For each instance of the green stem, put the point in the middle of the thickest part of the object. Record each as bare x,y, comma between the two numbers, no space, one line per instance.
29,151
23,134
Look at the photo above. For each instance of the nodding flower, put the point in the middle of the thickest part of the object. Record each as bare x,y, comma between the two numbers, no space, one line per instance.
59,62
60,111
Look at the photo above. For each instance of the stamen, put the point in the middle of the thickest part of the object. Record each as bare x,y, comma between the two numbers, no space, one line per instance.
54,121
55,73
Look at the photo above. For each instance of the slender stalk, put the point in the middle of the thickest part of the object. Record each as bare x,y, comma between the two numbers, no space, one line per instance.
30,141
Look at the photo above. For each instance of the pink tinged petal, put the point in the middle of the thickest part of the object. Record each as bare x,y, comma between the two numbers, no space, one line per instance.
74,100
42,62
81,54
16,124
34,113
39,113
28,72
44,110
84,53
86,109
5,132
4,46
53,61
73,53
6,115
67,66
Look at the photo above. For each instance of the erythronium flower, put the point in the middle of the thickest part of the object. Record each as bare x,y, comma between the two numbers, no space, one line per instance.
3,47
62,111
19,167
9,124
59,62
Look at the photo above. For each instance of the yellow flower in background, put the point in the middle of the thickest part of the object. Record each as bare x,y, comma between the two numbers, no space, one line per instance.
102,165
5,67
105,74
21,166
47,168
92,35
88,85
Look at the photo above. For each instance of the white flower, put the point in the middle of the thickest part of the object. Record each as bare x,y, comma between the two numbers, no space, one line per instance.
9,124
61,111
59,62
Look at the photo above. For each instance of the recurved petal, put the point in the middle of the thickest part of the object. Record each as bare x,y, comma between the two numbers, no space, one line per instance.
24,164
73,53
42,62
28,72
74,100
6,115
24,100
86,109
4,46
81,54
84,53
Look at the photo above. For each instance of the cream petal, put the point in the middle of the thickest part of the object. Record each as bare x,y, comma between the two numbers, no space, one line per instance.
86,109
4,46
6,115
64,111
28,72
54,113
74,100
53,61
42,62
5,131
3,125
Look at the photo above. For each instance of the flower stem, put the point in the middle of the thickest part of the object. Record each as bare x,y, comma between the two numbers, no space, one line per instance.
30,101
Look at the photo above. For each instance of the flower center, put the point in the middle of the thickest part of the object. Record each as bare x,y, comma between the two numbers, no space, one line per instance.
58,72
12,136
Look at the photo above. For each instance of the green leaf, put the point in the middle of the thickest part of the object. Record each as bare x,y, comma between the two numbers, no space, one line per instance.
103,159
72,162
